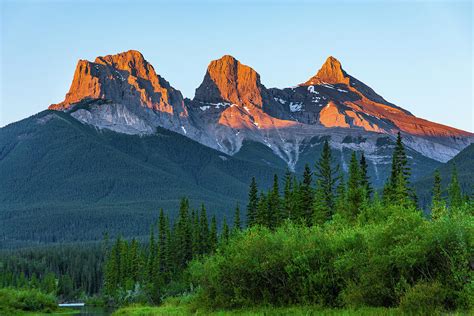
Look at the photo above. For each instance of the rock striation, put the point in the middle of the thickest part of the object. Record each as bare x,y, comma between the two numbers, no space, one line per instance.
123,93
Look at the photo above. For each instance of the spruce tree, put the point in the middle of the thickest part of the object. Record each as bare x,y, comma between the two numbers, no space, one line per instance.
288,197
151,260
163,230
213,235
253,203
274,214
237,224
196,230
355,192
341,198
364,177
325,175
397,190
204,232
437,204
321,212
454,190
183,235
305,197
225,232
262,210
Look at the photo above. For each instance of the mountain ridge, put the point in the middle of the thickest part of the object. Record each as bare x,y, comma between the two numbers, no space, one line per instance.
232,105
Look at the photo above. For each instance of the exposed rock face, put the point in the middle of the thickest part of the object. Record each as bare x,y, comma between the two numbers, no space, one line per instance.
124,78
232,105
227,80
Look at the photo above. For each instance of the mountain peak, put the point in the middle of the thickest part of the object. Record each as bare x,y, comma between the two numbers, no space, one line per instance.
330,72
228,80
123,78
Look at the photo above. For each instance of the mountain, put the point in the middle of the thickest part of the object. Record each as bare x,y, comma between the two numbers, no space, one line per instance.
64,181
464,163
124,142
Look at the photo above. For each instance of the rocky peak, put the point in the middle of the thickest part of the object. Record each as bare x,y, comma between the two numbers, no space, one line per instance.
123,78
228,80
331,72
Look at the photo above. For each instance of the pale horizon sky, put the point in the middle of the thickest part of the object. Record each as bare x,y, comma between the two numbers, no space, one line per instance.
416,54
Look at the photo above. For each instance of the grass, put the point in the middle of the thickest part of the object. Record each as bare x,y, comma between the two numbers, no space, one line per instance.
174,307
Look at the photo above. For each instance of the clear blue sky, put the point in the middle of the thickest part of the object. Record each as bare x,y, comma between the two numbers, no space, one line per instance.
417,55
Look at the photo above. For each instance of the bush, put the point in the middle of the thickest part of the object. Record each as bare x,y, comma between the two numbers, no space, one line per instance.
377,263
423,299
12,300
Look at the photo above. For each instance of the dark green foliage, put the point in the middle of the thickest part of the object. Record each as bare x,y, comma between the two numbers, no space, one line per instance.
464,162
252,203
356,189
67,174
397,190
393,256
454,190
16,302
364,177
67,271
145,273
213,240
237,222
326,176
305,196
438,205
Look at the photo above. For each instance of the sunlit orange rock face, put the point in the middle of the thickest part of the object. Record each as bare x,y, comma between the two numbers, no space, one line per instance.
331,117
125,78
228,80
372,104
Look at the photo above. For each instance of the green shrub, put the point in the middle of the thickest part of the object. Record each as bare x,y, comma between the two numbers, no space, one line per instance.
374,263
423,299
26,300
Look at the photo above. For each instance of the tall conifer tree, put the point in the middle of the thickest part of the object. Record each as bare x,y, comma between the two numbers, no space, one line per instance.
454,189
237,223
253,203
325,174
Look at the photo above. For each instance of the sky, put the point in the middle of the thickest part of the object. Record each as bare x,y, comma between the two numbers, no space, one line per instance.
416,54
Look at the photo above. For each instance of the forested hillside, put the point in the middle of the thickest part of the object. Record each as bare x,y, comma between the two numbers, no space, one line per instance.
323,241
464,164
66,181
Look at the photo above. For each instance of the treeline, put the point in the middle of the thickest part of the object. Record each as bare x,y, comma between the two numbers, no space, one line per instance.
137,272
67,271
324,192
337,244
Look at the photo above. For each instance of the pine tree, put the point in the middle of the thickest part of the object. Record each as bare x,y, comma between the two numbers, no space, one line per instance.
321,212
183,235
288,197
151,260
204,232
325,175
341,198
196,233
305,198
253,203
355,192
225,232
397,190
274,214
364,177
237,224
438,206
162,251
213,235
262,210
454,190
